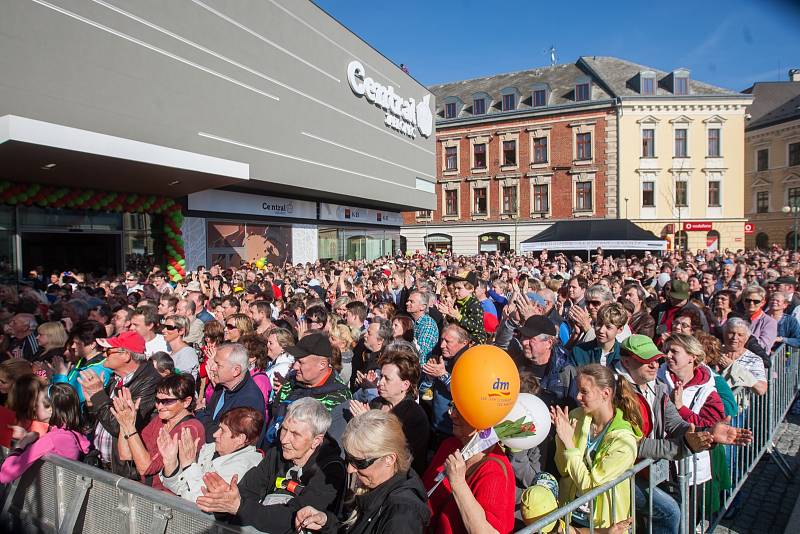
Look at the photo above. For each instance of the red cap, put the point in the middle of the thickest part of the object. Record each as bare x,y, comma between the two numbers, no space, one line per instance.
490,322
127,340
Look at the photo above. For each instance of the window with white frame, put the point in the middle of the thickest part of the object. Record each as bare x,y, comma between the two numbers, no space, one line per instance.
681,142
540,150
714,194
681,193
451,158
479,106
541,198
794,154
450,110
762,202
647,83
509,199
648,142
583,146
648,194
510,153
583,196
479,155
451,202
480,201
714,150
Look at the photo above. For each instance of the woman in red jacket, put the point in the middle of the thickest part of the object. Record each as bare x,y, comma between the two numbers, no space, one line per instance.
478,494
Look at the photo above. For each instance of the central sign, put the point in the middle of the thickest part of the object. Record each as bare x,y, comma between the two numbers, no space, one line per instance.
697,226
405,115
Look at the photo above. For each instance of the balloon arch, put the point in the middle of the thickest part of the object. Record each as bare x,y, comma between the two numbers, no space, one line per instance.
46,196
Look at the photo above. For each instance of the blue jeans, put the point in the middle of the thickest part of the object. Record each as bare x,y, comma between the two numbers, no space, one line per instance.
666,510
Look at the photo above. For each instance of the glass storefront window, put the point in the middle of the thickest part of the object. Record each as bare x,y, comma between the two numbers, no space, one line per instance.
336,243
8,265
230,243
61,219
142,241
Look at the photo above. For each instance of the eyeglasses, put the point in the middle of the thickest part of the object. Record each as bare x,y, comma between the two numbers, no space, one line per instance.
682,324
170,327
113,350
359,463
231,327
752,301
166,401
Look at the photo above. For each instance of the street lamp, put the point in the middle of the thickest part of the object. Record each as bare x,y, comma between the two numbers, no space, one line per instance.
795,210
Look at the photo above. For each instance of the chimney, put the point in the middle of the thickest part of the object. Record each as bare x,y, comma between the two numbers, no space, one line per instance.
794,75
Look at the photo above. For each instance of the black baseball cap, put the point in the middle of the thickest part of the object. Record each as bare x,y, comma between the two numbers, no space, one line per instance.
313,344
537,325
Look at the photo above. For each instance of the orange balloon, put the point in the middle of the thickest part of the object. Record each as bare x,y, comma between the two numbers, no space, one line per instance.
484,385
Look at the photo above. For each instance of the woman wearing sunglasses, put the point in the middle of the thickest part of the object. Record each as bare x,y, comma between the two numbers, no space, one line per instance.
174,401
390,497
237,326
184,356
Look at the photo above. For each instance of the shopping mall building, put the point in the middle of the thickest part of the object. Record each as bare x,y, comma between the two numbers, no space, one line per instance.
204,131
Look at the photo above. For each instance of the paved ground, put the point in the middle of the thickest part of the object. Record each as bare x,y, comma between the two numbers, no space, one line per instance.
768,498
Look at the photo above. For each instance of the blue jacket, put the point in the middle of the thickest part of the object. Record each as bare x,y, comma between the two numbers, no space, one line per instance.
95,364
789,330
245,395
590,352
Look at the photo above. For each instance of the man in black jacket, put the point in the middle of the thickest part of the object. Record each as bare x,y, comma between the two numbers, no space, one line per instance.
125,356
305,470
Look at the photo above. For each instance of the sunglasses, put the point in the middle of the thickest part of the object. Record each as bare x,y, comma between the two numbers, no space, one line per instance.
595,303
359,463
170,327
752,301
113,350
166,401
231,327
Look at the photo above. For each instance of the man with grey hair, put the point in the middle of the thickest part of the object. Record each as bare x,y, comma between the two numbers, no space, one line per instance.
238,389
305,469
426,333
21,330
125,356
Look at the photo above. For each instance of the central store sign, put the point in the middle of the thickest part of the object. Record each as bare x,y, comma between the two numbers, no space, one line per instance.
697,226
402,114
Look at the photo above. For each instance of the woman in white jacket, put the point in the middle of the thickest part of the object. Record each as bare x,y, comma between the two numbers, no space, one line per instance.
234,445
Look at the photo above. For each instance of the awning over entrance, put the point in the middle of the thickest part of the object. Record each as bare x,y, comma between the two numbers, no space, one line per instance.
41,152
610,234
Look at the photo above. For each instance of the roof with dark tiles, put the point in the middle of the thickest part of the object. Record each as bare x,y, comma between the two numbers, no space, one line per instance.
773,103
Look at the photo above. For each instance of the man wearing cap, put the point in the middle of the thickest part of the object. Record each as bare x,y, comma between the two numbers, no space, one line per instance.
125,357
195,293
788,284
677,300
238,390
541,357
666,435
313,376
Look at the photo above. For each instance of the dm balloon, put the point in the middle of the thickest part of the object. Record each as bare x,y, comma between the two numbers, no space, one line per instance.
535,411
485,385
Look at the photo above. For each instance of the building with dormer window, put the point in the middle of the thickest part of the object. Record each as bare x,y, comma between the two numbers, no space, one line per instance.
515,152
772,162
681,153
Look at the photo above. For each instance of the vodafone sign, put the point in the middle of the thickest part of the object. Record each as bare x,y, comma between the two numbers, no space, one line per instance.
697,226
749,228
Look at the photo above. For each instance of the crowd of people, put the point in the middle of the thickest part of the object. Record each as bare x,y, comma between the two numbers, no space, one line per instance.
317,397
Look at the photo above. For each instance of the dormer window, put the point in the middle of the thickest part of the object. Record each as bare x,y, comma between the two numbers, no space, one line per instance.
680,82
647,83
479,106
509,102
450,110
539,95
583,90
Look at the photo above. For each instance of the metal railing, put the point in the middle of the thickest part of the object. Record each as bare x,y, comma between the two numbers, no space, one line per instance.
763,415
62,496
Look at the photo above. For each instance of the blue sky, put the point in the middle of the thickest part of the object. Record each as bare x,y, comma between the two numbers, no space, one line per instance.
729,43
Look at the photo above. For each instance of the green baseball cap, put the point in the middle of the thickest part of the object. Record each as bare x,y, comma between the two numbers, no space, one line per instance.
641,348
679,290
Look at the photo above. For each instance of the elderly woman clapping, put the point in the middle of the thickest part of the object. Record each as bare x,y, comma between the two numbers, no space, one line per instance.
739,366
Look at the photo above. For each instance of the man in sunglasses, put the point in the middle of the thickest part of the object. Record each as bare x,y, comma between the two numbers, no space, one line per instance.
126,358
666,435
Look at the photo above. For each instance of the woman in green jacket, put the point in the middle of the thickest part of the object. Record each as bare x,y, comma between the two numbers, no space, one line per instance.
597,442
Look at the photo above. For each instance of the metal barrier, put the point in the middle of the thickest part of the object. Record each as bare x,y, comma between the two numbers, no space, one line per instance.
763,415
62,496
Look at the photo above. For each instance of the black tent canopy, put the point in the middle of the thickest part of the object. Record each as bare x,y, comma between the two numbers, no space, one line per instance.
609,234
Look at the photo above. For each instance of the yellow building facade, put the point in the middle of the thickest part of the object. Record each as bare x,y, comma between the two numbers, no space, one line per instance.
681,154
682,169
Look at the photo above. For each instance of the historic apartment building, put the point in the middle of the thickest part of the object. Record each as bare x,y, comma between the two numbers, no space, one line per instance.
598,138
772,162
681,164
515,152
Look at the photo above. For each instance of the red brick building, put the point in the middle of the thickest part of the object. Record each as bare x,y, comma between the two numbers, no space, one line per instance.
516,152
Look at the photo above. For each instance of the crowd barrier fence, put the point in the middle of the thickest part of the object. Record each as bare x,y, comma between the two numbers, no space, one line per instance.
63,496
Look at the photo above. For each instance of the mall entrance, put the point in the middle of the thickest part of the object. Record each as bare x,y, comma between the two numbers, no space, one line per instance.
90,252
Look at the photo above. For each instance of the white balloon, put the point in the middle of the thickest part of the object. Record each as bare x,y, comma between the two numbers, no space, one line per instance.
535,411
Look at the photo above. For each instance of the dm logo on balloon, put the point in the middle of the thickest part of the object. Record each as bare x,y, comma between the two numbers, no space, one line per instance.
500,389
